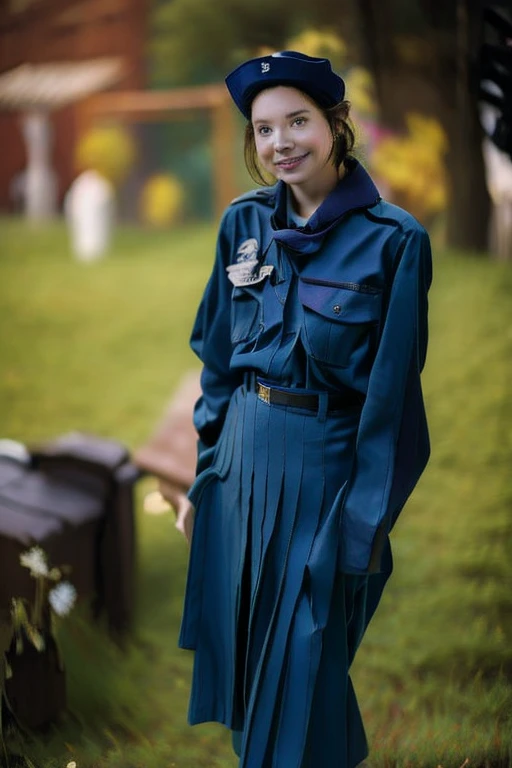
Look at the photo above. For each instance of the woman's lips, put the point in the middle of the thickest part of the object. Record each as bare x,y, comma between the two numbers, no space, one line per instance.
291,163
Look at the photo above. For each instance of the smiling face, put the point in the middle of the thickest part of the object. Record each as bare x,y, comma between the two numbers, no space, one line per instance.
293,139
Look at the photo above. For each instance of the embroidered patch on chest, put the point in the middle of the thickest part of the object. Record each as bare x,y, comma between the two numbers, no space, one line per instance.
248,250
246,273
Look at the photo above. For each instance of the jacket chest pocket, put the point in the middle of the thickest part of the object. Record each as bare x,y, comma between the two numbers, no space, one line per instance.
339,319
246,312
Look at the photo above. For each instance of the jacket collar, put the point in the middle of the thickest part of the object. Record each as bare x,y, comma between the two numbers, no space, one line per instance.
354,191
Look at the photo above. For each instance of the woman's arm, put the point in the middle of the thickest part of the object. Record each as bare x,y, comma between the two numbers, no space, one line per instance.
211,341
392,446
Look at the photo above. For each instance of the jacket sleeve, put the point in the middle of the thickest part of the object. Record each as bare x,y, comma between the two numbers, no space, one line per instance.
392,447
211,341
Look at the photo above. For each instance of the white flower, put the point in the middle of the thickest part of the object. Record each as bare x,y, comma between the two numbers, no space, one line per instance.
35,560
62,598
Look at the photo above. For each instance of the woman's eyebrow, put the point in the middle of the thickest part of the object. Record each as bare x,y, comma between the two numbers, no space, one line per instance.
288,116
297,112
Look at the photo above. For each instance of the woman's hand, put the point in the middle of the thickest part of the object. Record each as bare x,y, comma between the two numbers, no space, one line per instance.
185,512
176,496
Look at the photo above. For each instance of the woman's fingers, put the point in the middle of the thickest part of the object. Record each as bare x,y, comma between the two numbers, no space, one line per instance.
184,516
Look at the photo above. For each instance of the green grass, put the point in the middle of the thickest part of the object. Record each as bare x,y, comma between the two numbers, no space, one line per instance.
100,347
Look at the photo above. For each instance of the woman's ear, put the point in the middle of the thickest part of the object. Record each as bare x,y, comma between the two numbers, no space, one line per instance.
339,117
337,126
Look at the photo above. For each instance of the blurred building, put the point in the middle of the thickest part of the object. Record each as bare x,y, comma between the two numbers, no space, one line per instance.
55,31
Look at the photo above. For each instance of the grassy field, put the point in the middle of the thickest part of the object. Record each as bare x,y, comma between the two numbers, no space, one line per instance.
101,347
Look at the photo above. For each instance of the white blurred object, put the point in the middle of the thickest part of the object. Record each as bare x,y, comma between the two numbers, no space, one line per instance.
12,449
89,207
498,168
40,181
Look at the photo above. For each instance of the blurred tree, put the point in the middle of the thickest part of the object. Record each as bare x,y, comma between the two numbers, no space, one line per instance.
197,41
423,56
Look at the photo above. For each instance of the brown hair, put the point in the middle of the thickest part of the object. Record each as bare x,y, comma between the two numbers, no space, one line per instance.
343,135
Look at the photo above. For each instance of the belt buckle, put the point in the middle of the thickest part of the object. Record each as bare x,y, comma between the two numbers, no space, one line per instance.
264,393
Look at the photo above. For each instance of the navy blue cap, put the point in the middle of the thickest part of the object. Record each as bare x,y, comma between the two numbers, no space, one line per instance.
306,73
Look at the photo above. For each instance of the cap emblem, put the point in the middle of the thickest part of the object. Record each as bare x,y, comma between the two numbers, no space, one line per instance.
265,66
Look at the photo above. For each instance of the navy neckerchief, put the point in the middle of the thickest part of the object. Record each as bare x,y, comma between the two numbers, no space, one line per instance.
354,191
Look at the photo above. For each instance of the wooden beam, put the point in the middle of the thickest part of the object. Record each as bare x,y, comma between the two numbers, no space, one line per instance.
128,103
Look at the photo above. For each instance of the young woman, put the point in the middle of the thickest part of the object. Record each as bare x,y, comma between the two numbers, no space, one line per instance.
312,332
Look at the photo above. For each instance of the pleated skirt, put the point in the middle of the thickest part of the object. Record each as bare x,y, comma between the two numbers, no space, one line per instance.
273,623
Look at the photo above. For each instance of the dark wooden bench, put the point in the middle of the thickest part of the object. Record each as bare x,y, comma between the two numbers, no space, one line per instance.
75,500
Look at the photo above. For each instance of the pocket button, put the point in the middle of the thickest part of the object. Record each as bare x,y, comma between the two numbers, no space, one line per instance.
336,309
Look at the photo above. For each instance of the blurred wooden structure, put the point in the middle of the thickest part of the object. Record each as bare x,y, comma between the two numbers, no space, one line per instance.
170,453
34,91
44,31
168,105
52,34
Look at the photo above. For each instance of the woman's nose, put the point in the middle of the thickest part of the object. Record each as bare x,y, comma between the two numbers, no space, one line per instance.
282,141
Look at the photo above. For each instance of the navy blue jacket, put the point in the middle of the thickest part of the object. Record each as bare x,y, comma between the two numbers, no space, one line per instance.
338,304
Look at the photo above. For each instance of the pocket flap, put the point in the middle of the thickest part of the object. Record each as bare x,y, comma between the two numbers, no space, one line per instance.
358,304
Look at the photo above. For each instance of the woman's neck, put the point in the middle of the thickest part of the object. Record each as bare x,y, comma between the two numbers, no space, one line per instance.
306,199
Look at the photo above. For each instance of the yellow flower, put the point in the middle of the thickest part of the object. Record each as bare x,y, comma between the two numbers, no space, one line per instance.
108,149
161,201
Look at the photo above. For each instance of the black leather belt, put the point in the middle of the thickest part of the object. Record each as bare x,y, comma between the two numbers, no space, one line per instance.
336,402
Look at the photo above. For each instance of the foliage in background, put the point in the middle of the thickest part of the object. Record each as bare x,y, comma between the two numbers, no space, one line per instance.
188,42
434,673
161,201
412,167
323,43
109,149
361,92
196,41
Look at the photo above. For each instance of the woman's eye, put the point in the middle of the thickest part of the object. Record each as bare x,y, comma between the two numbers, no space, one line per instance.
299,121
263,130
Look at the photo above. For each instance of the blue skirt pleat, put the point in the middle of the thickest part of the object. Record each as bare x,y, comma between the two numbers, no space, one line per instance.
264,531
273,624
335,726
276,605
